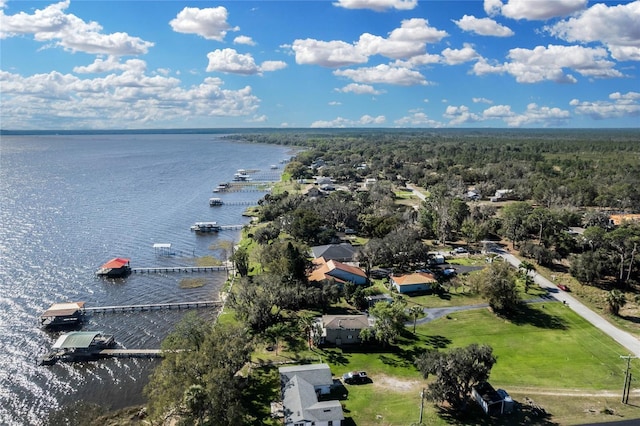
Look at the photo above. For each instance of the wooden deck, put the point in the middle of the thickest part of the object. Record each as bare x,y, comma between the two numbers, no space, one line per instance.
154,306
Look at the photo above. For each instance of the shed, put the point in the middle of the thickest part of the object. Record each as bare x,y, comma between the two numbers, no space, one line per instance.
491,401
116,267
62,314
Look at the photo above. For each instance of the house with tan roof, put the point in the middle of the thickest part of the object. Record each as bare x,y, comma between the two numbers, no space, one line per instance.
415,282
336,271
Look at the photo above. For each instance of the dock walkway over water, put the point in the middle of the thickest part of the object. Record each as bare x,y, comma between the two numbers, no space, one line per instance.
154,306
159,269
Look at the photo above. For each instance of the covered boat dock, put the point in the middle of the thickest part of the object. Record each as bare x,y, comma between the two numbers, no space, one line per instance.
63,315
115,268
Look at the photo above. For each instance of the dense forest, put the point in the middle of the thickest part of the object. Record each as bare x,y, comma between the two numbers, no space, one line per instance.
555,180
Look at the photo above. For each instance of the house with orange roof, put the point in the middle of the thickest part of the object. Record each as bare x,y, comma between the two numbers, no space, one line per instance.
336,271
619,219
415,282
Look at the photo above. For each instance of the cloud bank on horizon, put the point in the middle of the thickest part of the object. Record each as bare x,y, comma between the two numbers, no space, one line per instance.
344,63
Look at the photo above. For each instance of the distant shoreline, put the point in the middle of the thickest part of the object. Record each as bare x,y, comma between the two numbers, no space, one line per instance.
231,130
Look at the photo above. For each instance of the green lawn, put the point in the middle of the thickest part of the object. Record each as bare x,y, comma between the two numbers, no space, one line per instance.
546,348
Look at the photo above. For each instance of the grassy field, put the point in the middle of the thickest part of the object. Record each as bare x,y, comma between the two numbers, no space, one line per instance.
547,353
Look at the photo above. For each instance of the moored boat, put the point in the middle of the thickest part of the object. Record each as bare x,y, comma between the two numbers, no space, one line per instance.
215,201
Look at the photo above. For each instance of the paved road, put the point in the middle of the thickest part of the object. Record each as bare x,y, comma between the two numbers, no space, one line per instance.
625,339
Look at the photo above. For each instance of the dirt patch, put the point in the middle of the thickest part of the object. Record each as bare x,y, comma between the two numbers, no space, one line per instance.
395,384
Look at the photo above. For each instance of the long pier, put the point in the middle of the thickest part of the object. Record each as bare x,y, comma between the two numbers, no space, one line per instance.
158,269
154,306
129,353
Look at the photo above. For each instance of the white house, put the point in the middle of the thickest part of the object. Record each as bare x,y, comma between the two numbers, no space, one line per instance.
301,386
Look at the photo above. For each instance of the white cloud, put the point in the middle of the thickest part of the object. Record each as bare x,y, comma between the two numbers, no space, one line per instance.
365,120
404,42
548,63
533,10
127,100
244,40
481,100
498,111
68,31
620,105
546,116
459,56
360,89
417,119
617,27
408,41
268,66
111,64
383,74
327,53
232,62
335,103
460,115
377,5
483,26
210,23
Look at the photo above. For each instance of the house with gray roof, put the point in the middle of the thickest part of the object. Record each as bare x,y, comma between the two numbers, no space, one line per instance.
342,252
343,329
301,386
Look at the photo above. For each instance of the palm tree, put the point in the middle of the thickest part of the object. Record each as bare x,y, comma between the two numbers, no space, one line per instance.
415,311
616,300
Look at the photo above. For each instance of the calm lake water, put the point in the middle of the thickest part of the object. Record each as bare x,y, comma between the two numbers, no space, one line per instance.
69,203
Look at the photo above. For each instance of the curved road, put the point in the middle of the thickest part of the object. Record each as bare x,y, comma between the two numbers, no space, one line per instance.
625,339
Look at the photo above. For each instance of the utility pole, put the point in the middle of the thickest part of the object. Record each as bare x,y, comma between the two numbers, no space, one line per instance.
627,378
421,405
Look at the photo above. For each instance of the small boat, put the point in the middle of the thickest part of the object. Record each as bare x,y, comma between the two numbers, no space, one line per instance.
205,227
115,268
63,315
215,202
274,166
241,177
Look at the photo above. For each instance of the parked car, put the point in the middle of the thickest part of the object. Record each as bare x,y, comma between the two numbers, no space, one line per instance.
460,250
355,377
379,273
563,287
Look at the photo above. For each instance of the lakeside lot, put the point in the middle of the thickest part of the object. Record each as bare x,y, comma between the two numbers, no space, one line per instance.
548,354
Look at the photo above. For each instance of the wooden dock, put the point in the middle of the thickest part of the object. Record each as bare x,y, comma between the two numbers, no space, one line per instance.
154,306
129,353
160,269
231,227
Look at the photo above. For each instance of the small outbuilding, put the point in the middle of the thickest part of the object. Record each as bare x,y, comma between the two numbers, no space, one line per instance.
493,402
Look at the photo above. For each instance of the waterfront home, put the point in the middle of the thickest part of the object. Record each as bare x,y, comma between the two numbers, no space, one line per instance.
336,271
343,329
115,268
411,283
63,315
301,387
342,252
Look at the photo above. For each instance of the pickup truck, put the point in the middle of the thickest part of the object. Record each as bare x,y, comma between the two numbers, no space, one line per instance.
355,377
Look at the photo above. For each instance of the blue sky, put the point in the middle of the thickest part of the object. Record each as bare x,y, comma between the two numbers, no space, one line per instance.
343,63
